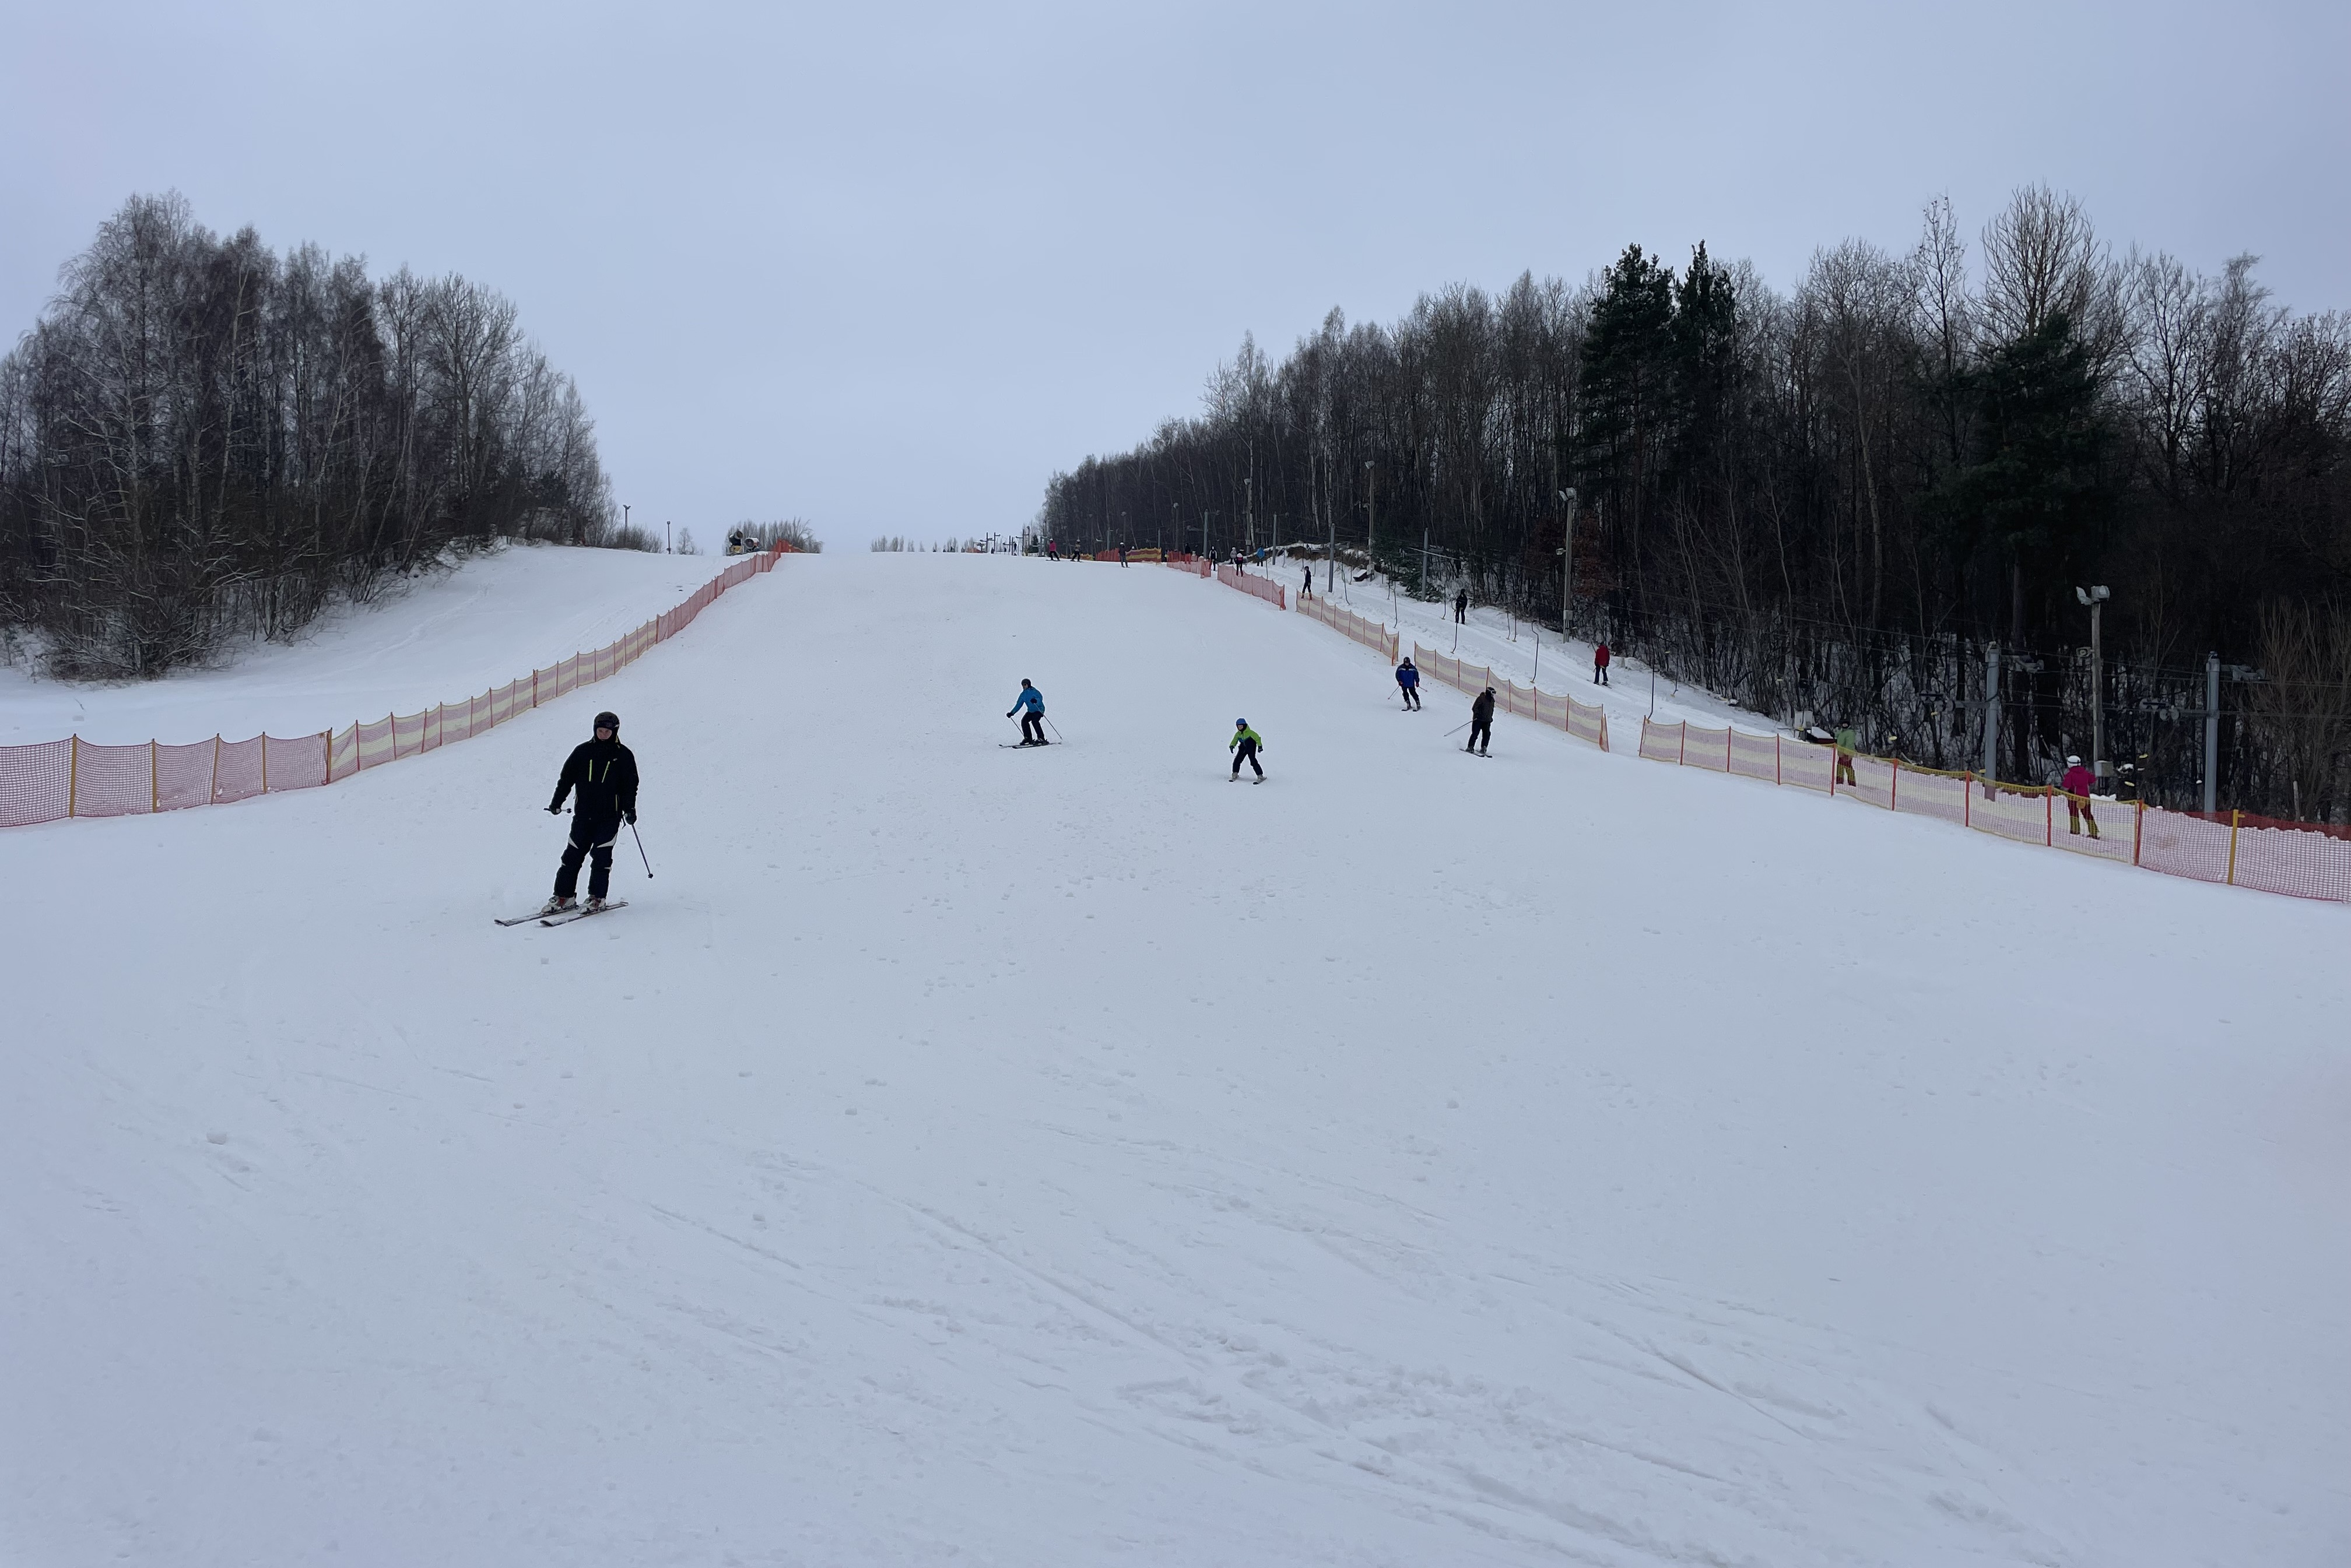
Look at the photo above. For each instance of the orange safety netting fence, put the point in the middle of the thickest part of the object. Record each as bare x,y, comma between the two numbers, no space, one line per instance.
1195,564
1372,634
1585,721
1139,552
1271,593
73,777
2303,860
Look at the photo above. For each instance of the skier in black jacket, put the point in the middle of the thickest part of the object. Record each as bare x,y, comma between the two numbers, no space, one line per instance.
604,772
1482,722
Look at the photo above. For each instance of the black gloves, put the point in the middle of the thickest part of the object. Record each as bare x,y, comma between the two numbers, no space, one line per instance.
630,816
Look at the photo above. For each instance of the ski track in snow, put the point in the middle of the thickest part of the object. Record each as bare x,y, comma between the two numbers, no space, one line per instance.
1072,1160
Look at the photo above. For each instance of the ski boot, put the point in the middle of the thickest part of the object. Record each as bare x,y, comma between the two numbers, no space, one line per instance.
556,905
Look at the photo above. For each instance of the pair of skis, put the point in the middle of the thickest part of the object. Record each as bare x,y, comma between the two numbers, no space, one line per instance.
566,917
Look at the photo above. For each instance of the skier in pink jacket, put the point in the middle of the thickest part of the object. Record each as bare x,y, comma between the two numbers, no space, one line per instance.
2077,784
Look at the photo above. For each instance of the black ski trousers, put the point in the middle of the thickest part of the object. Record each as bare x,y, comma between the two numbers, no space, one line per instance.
1032,728
1481,734
1247,752
592,842
1411,697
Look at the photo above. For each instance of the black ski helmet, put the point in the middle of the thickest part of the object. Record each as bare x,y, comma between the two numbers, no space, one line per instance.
608,720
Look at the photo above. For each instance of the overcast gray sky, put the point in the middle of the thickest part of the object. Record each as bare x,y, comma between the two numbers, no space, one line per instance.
887,267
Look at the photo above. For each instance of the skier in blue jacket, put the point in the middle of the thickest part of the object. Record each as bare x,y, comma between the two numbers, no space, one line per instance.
1031,706
1408,681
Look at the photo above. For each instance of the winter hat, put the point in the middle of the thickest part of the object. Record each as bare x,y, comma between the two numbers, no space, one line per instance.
608,720
2072,762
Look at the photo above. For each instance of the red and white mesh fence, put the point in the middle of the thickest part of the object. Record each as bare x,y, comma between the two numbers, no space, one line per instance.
1271,593
1195,564
1582,721
74,777
1372,634
2304,859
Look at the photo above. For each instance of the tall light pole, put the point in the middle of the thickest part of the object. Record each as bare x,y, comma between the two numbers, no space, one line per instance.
666,550
1331,556
2211,734
1370,514
1249,516
1566,560
2095,599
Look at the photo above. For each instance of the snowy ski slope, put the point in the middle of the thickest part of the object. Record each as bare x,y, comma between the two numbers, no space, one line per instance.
1525,653
1068,1156
436,638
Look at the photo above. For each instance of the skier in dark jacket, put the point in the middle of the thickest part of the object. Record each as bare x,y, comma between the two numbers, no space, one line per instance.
1461,606
1031,706
1408,682
604,772
1482,722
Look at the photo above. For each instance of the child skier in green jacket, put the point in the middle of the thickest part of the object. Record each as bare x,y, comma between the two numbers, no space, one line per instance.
1245,745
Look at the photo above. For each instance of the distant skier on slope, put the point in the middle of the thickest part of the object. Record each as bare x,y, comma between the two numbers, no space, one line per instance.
1306,588
1482,722
1600,662
1408,682
1031,706
1245,745
604,772
1461,606
2077,784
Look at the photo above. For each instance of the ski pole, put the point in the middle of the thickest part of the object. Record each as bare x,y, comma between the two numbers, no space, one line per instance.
1055,728
1454,731
641,850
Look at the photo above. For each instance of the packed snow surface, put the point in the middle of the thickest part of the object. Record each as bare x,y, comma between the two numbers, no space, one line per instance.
1071,1156
443,636
1520,650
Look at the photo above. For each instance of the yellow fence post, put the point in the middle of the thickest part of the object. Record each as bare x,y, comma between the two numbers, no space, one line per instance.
2236,816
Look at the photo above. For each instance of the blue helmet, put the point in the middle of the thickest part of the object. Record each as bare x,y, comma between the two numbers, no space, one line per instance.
1241,724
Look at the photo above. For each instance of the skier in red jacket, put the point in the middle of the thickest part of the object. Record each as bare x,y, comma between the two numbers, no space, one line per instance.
1600,663
2076,784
